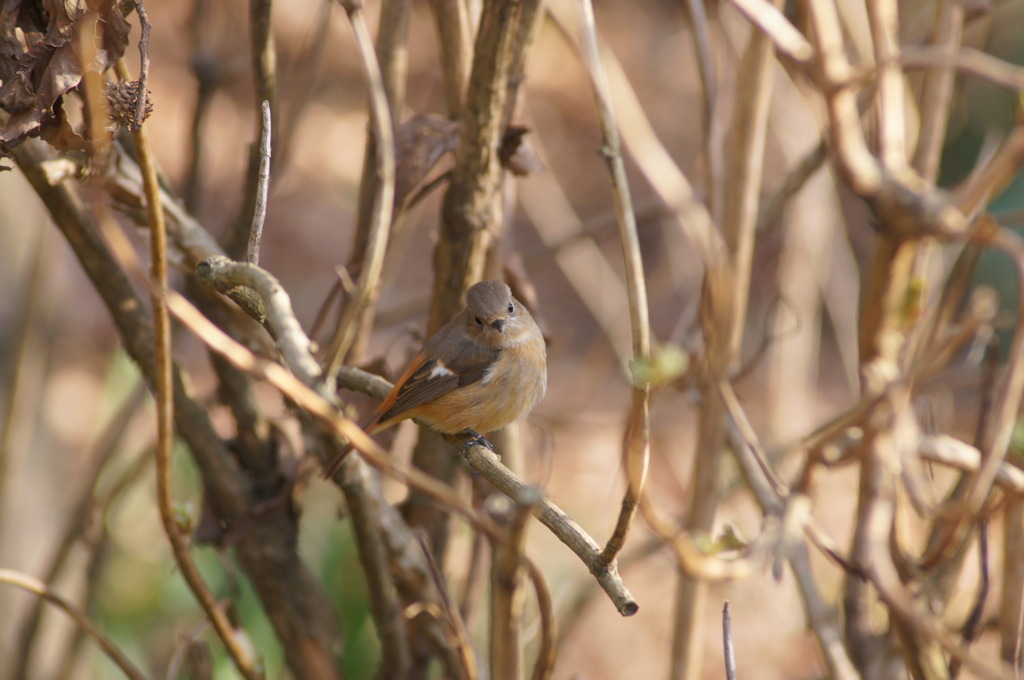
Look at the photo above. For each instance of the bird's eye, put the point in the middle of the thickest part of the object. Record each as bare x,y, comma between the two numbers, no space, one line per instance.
511,308
478,321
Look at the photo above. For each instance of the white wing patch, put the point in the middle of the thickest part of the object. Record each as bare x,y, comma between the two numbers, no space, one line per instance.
439,371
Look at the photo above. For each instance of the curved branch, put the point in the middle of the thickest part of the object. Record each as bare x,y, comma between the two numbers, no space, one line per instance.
32,585
637,437
163,390
383,202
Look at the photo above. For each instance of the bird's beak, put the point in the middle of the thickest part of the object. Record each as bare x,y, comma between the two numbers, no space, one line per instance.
498,325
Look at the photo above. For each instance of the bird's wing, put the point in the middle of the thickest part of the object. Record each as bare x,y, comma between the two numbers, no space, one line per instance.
427,379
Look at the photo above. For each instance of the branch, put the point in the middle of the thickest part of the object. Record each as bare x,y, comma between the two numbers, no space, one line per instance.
224,275
32,585
84,510
637,437
507,587
654,161
259,214
140,104
300,612
392,56
773,23
381,538
383,201
163,392
729,650
455,41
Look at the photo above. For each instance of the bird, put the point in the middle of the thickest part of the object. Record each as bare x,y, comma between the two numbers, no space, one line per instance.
484,369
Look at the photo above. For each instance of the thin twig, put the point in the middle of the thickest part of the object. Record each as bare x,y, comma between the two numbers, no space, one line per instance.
959,455
966,60
821,616
264,54
83,513
140,104
859,166
883,21
714,127
545,665
383,203
507,588
252,252
728,650
637,437
112,651
1011,597
653,159
22,328
163,390
392,55
972,626
724,309
455,38
456,626
937,90
773,23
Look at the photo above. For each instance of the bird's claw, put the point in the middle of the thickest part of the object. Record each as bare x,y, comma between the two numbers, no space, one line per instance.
477,439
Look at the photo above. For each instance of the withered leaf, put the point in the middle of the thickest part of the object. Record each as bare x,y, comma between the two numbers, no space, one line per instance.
40,56
516,154
58,133
420,143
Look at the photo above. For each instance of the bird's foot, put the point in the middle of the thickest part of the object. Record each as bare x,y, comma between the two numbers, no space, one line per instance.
477,439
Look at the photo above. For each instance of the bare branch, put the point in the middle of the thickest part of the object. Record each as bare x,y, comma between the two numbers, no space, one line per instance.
507,596
163,391
140,104
112,651
383,203
727,645
637,438
252,252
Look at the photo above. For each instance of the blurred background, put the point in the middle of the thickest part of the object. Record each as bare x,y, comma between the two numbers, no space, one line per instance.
71,402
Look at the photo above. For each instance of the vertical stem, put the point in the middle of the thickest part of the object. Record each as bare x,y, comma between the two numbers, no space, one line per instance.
1011,604
383,201
472,218
163,388
392,55
937,90
691,593
724,308
455,37
637,440
507,592
259,215
884,21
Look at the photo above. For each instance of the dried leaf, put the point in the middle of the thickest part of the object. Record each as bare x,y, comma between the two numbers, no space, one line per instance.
57,132
420,143
40,57
516,154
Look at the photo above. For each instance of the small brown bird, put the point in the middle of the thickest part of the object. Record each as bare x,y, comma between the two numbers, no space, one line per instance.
484,369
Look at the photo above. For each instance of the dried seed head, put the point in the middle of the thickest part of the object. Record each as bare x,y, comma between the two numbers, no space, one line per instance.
122,98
